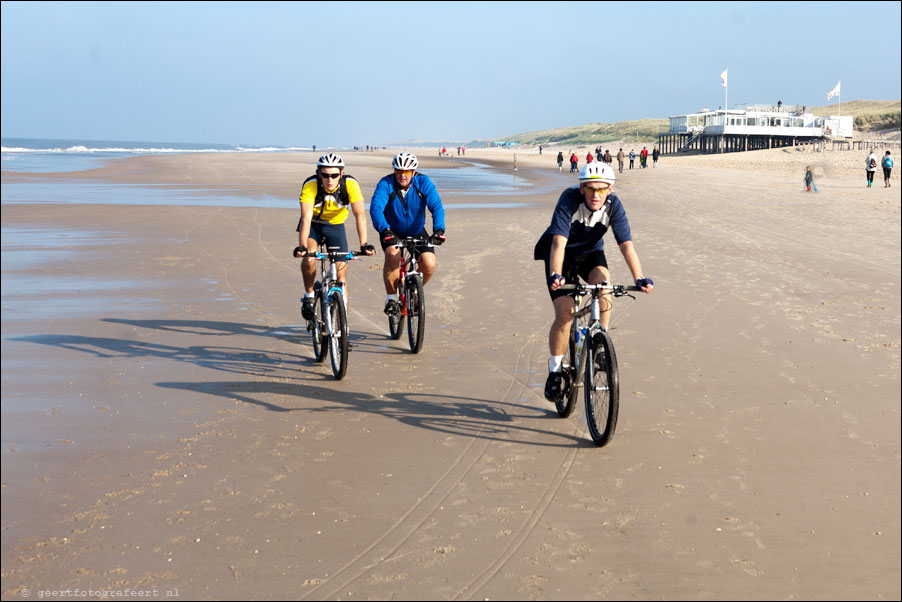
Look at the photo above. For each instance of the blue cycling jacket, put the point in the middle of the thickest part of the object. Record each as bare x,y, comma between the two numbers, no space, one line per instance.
406,214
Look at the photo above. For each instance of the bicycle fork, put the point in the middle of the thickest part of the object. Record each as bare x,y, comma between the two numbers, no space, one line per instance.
402,289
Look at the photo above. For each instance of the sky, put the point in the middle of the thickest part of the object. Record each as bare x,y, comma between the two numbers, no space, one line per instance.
381,73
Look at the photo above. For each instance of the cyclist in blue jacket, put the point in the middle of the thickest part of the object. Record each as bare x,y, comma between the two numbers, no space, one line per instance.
398,210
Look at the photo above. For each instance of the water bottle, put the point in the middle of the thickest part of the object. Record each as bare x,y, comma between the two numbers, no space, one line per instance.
580,340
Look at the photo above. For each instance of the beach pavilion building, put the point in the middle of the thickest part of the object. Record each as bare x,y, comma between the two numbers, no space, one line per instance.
750,127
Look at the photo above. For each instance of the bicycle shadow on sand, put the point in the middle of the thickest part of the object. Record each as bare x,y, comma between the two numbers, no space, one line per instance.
482,418
296,333
215,328
238,360
489,419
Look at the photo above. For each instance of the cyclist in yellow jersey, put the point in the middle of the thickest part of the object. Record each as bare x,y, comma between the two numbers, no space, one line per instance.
327,197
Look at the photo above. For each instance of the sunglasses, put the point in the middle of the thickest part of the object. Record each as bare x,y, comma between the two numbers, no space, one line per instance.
404,172
330,176
598,190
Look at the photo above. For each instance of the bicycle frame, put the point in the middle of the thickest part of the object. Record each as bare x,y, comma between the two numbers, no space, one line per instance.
593,310
580,334
331,335
330,283
408,266
586,334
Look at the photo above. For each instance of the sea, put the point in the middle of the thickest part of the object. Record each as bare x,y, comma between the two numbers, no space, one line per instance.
43,156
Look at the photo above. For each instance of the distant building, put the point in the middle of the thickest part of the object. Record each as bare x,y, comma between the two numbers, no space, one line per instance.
750,127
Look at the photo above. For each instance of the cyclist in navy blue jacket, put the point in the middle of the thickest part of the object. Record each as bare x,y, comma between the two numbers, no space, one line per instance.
398,210
573,247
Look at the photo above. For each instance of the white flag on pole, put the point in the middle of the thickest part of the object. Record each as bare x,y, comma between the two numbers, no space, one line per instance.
723,78
835,91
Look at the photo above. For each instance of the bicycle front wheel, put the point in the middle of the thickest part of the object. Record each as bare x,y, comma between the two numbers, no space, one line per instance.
320,343
602,388
416,314
338,338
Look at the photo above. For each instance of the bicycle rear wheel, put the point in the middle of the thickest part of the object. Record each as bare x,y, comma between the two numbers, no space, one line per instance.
338,338
320,343
416,314
395,325
570,369
602,388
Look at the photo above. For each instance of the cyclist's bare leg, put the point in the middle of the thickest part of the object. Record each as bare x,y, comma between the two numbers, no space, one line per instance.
426,262
308,266
559,334
598,275
390,270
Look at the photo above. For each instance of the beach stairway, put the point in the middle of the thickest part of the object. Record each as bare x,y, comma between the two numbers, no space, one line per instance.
692,138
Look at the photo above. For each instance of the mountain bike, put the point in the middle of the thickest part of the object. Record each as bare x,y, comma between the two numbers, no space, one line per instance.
329,327
412,301
590,363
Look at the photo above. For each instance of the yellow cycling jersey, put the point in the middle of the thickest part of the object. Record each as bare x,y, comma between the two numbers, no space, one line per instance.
331,207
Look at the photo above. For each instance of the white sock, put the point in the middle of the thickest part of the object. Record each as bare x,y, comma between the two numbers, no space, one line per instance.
391,297
308,295
554,364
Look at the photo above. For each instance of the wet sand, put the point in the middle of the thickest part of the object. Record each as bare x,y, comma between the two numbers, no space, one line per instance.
166,429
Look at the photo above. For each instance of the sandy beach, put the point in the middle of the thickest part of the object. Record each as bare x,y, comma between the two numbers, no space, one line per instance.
166,430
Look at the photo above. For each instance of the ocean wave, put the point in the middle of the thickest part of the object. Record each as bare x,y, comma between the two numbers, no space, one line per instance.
78,149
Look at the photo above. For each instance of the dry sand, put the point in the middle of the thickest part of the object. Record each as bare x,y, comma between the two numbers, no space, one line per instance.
166,430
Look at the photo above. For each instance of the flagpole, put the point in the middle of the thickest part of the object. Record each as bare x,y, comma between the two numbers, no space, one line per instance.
726,92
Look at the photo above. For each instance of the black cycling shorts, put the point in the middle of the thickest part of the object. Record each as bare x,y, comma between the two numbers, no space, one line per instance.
332,234
574,268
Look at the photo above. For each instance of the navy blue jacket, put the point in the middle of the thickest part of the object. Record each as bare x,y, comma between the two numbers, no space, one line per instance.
582,228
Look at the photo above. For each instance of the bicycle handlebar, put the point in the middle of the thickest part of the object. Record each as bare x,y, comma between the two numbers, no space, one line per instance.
334,255
617,289
412,242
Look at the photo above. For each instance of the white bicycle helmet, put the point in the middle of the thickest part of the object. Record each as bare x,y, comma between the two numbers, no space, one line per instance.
597,172
404,161
330,160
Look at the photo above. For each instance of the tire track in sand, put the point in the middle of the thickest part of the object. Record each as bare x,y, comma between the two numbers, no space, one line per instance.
408,524
427,506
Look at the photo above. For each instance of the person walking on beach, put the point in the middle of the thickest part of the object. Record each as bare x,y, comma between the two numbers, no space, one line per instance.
654,156
620,158
589,157
632,157
560,161
398,210
870,167
573,246
574,161
325,199
607,157
887,165
809,179
643,157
